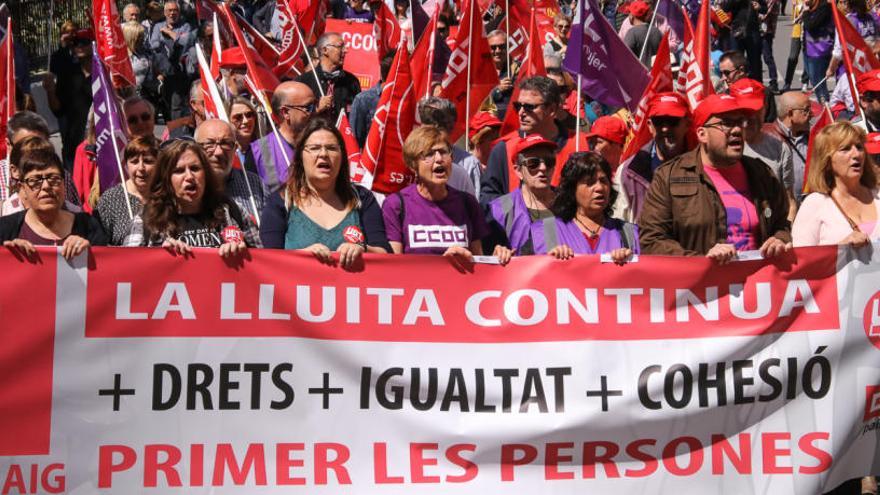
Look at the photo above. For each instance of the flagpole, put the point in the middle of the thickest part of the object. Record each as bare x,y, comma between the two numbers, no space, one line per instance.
302,41
467,108
650,25
507,29
577,113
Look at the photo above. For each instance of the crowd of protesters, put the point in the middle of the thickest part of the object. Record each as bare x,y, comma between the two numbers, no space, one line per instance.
728,176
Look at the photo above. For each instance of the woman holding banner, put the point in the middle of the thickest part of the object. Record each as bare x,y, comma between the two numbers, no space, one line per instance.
319,209
184,208
140,157
583,207
844,206
45,222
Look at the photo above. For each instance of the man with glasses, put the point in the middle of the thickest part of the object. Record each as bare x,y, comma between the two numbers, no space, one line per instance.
713,201
733,66
217,138
506,74
140,116
793,129
537,103
338,86
668,121
294,103
516,220
868,87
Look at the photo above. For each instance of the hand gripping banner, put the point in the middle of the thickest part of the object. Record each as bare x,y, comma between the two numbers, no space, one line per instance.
282,375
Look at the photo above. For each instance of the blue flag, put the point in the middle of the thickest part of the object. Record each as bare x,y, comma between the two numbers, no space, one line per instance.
109,134
610,72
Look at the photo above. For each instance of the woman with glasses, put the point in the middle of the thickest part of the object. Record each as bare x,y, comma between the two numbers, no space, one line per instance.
243,117
184,207
429,217
558,41
844,206
583,207
319,209
45,222
140,157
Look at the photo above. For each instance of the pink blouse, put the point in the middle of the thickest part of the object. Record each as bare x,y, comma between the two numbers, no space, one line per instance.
819,222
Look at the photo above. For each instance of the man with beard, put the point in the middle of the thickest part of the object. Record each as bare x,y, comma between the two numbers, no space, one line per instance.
713,201
244,188
668,121
868,86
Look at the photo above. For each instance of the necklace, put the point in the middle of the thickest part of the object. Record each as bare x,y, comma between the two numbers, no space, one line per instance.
593,233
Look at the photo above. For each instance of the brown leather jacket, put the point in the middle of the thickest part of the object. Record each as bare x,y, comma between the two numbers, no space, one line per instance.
683,214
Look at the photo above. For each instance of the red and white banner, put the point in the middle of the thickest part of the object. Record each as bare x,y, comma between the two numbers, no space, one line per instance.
361,58
666,375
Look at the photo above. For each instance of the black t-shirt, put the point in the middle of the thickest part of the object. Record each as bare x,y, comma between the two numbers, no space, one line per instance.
195,233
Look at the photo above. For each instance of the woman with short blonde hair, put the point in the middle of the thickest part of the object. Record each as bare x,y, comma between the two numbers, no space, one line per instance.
844,204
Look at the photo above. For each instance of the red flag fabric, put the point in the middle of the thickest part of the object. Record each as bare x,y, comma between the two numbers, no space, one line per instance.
858,57
694,82
257,71
470,75
661,82
824,119
386,30
533,65
311,18
382,156
356,171
205,9
521,12
111,44
422,61
264,48
291,39
214,108
7,86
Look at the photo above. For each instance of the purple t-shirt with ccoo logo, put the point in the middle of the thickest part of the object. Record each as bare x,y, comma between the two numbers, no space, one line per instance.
430,227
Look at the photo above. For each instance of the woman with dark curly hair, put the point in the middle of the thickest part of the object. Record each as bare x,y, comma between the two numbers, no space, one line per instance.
184,207
583,205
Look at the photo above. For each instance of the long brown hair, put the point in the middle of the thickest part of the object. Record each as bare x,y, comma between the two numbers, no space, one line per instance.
297,186
161,215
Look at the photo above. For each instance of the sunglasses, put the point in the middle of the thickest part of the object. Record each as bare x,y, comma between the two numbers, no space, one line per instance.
528,107
241,116
134,119
496,48
533,164
660,122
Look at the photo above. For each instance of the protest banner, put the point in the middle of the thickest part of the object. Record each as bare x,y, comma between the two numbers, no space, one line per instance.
666,375
361,58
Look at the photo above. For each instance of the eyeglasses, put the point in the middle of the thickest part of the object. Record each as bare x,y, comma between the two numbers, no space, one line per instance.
340,46
210,146
429,155
315,149
238,117
661,121
727,73
497,48
307,109
36,182
807,110
144,117
533,164
528,107
727,125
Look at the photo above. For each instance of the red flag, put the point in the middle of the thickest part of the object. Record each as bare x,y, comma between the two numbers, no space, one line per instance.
858,57
824,119
470,75
386,30
216,50
312,20
520,18
382,156
533,65
214,108
422,61
694,82
7,85
111,44
257,71
205,9
356,172
291,38
265,48
661,82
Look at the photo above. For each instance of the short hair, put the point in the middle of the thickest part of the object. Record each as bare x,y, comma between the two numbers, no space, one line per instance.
26,120
26,145
543,85
195,89
787,103
497,32
69,25
385,63
420,141
324,39
39,159
140,145
735,57
169,2
579,166
438,112
134,100
128,6
839,135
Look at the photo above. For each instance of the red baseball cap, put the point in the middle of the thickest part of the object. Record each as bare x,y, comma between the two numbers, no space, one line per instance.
869,81
84,35
639,9
609,128
624,9
872,143
534,141
750,93
480,121
232,58
714,105
668,104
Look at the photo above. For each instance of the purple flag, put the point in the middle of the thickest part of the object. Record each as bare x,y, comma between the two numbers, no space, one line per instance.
109,134
671,10
609,71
